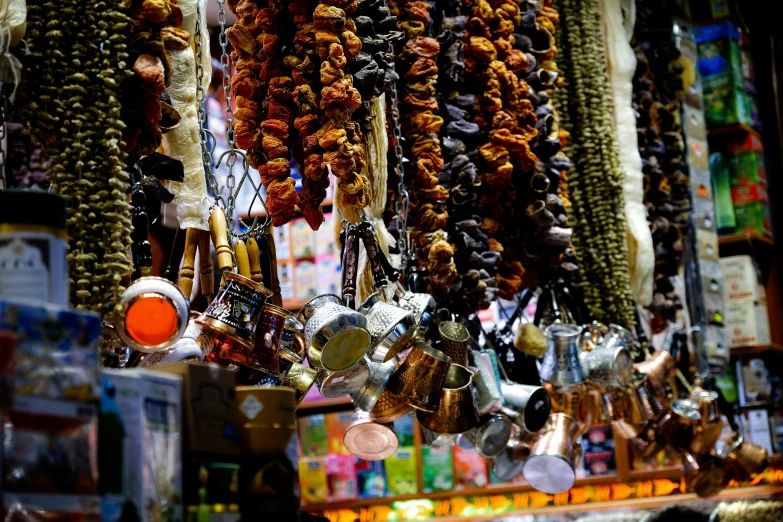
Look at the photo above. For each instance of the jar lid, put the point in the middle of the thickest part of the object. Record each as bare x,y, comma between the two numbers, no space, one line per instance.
32,207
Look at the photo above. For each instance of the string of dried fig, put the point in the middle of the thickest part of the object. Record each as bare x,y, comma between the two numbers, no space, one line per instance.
421,125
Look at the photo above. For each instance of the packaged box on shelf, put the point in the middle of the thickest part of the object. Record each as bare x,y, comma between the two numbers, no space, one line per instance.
371,478
740,279
327,274
208,408
56,354
725,103
312,480
746,157
719,50
325,241
598,451
470,469
140,454
753,217
303,244
437,469
336,424
747,323
304,275
341,477
285,273
756,428
282,235
401,472
313,436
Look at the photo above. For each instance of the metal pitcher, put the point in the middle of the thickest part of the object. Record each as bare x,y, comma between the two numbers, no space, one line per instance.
344,382
456,411
454,341
379,373
561,366
609,363
336,337
419,379
551,465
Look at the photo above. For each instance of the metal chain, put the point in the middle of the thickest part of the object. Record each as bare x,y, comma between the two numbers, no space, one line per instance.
204,134
3,112
402,204
225,61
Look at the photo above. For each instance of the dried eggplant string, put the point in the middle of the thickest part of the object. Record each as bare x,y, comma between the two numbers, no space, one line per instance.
71,99
595,182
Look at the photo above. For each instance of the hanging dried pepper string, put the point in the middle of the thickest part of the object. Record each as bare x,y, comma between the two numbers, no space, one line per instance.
595,182
71,99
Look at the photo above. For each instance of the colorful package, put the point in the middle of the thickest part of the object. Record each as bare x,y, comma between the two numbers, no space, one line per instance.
371,478
598,451
312,480
401,474
470,469
336,424
312,435
437,468
403,427
341,477
56,353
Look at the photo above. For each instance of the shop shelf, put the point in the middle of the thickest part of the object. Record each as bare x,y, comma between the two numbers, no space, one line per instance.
756,348
314,406
751,238
736,129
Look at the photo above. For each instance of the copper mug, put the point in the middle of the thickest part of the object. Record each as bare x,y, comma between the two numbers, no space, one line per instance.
641,437
639,404
370,440
659,368
600,408
344,382
391,327
704,475
676,427
300,378
511,461
233,314
551,466
419,379
389,407
292,338
490,437
708,431
265,355
454,341
745,459
379,374
456,411
561,366
527,406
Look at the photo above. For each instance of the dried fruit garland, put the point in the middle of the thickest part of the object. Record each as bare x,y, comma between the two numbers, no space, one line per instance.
417,64
308,90
657,83
71,100
595,182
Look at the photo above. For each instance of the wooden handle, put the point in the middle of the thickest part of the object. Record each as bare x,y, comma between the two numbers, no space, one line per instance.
243,263
219,232
255,261
277,298
187,272
205,274
350,268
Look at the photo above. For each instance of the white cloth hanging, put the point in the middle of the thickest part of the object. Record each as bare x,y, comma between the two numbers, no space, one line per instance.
622,64
13,19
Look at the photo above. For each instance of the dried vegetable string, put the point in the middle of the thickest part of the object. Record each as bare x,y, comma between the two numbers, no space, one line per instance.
71,99
595,182
656,97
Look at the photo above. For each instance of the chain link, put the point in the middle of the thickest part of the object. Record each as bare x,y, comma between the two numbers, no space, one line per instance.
402,203
3,128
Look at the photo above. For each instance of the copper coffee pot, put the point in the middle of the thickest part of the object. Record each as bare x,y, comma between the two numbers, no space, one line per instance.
556,453
456,411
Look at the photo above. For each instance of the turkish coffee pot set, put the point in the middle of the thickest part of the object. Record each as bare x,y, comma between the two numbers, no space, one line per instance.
376,352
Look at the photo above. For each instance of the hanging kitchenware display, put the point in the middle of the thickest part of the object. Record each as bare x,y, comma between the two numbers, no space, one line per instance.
489,437
528,406
391,327
609,363
419,379
369,440
551,465
343,382
454,339
367,396
560,366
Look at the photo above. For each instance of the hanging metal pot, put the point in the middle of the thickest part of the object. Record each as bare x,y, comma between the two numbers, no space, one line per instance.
391,327
560,365
708,431
527,406
419,379
704,475
292,338
389,407
344,382
659,368
745,459
154,315
639,405
369,440
676,426
454,341
301,379
456,411
609,364
336,337
367,396
509,464
490,437
556,453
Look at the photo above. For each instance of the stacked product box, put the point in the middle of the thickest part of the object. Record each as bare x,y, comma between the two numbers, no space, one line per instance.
747,321
749,185
727,98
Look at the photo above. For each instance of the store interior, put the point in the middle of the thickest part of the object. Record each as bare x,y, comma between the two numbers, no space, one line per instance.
405,260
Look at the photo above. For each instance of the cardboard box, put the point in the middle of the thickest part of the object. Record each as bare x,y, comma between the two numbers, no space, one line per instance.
371,478
725,103
470,469
305,280
312,435
208,408
740,279
141,451
312,480
437,467
719,50
747,323
303,244
746,157
341,477
336,424
753,217
401,473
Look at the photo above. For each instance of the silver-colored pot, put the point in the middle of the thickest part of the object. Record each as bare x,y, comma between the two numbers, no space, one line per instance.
490,437
367,396
391,327
528,406
560,366
336,337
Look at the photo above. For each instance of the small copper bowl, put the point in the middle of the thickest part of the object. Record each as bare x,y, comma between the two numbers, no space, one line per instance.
456,411
419,379
369,440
